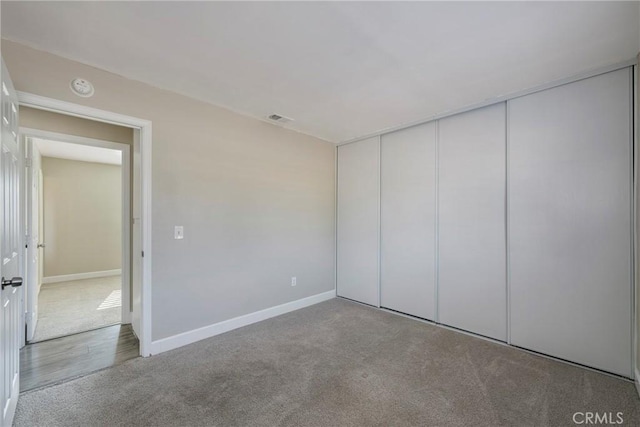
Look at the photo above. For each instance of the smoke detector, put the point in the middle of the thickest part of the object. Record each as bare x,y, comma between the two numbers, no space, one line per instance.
82,87
279,118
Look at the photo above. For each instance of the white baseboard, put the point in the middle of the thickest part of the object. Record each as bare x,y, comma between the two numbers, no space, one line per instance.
81,276
185,338
636,380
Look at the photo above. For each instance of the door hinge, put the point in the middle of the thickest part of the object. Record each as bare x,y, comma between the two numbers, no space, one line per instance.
28,162
142,254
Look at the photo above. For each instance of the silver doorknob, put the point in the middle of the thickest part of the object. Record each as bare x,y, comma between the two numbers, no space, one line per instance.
40,245
14,282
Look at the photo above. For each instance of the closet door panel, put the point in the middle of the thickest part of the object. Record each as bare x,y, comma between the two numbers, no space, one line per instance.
408,194
570,221
358,227
472,287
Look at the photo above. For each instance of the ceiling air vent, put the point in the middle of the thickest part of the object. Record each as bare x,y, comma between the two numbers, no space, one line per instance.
278,118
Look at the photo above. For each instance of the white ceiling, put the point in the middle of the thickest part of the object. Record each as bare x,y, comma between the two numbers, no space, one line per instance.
84,153
339,69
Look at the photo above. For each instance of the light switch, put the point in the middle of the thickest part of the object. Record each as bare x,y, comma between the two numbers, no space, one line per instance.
178,232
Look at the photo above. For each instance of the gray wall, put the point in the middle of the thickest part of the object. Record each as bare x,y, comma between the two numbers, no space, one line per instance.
82,216
256,200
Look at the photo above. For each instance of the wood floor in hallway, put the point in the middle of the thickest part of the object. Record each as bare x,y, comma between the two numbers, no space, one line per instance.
53,361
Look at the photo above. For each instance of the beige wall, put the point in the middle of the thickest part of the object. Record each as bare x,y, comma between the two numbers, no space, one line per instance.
256,200
60,123
82,216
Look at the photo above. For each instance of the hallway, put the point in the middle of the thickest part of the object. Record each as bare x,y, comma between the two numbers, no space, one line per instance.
66,308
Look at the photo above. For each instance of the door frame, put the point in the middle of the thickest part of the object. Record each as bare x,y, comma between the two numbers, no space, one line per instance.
27,135
142,136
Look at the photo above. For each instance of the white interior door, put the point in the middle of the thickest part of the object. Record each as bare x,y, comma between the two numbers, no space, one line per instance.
11,294
126,276
408,221
472,287
136,239
34,234
570,221
41,244
358,220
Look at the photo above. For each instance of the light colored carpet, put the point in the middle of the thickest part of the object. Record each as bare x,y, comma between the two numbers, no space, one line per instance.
69,307
333,364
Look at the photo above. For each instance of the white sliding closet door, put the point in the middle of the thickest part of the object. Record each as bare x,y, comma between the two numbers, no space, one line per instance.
358,220
472,286
408,198
570,221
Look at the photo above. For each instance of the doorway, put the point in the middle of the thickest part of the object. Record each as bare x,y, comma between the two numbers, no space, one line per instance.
78,256
78,231
140,226
60,359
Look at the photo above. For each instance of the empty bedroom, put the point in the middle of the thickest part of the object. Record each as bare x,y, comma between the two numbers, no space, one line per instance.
319,213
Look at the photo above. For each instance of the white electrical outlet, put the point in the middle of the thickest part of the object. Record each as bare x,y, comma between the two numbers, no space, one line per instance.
293,281
178,232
